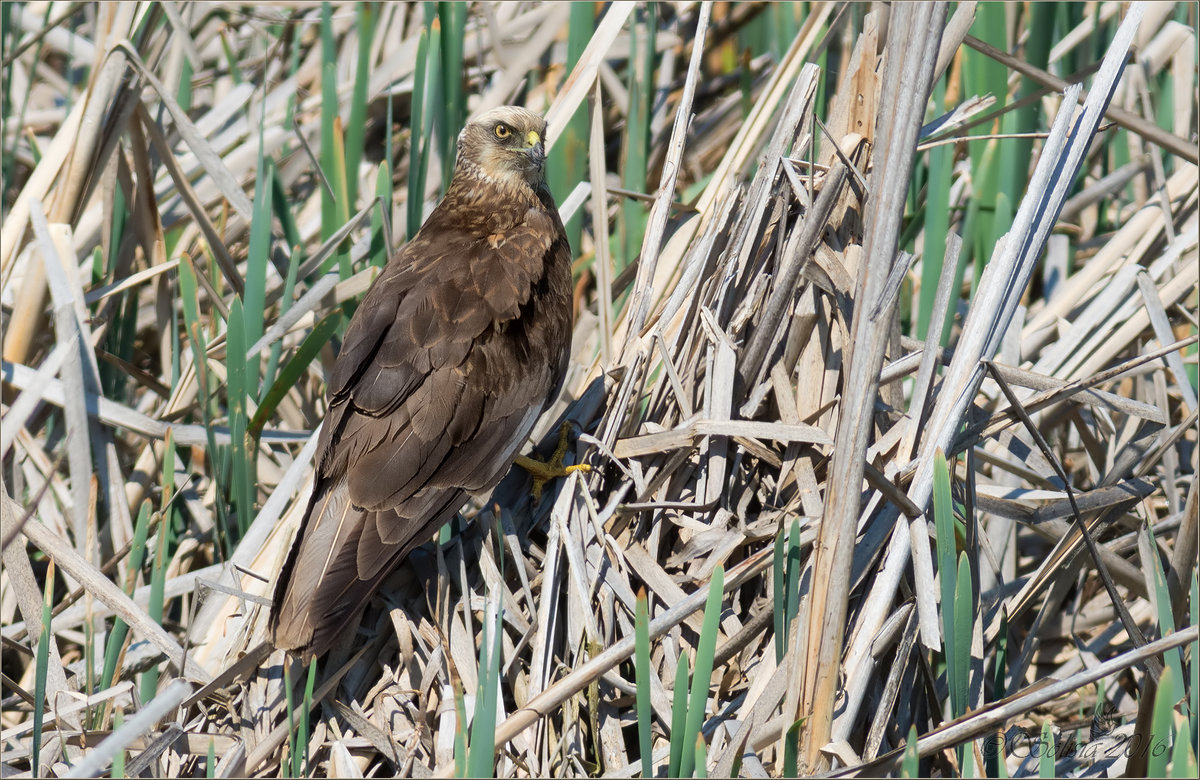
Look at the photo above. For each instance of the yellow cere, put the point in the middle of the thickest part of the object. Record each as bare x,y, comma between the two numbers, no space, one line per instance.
532,138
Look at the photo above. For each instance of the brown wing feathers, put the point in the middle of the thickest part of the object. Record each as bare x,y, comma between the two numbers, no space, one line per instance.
448,362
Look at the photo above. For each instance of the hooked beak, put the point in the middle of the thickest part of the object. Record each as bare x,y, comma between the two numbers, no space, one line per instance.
535,148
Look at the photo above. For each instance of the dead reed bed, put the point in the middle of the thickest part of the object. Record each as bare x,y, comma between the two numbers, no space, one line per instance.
884,359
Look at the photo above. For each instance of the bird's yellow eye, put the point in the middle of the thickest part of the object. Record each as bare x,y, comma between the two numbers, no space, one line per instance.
502,131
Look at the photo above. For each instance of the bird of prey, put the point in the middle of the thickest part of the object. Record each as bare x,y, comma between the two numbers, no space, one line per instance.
454,353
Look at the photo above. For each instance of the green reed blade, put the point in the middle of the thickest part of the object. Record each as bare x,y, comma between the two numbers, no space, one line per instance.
257,258
791,750
368,17
1166,619
778,604
705,651
568,162
453,17
958,647
1194,666
936,207
641,662
481,761
42,663
294,369
381,218
1046,757
242,492
195,329
632,224
461,749
943,517
120,630
910,767
341,208
158,579
118,762
792,593
678,716
417,160
1183,759
309,686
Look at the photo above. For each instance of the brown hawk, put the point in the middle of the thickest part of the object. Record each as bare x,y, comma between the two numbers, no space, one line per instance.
452,356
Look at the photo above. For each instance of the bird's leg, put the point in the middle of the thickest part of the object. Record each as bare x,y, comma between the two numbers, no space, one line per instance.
544,471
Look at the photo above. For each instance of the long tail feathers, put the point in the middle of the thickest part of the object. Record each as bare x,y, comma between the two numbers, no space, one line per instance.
338,562
323,562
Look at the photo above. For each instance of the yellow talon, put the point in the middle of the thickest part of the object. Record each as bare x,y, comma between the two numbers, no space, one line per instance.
544,471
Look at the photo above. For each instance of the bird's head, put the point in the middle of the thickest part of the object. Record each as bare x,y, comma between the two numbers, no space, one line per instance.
507,145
